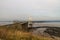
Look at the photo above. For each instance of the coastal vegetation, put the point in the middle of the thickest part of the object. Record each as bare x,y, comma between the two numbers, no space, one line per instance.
15,34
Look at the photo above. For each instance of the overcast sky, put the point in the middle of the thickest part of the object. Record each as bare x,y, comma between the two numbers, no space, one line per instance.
22,9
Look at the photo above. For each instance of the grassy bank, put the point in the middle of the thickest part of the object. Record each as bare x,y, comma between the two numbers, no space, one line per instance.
12,34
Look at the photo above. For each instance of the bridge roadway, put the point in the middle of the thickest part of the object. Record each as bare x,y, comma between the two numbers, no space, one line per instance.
35,21
42,27
43,21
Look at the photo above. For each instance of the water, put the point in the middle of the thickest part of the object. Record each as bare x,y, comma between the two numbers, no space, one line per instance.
57,24
41,30
5,23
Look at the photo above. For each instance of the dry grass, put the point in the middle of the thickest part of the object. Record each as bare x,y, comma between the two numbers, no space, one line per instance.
11,34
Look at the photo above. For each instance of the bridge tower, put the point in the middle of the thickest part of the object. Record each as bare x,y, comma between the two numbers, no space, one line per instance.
30,24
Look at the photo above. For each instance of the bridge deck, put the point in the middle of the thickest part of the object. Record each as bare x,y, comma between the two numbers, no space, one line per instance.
42,27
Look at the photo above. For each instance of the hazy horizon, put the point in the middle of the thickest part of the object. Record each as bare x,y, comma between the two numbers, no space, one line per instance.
22,9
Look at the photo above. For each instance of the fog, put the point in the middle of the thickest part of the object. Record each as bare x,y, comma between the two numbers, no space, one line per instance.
22,9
